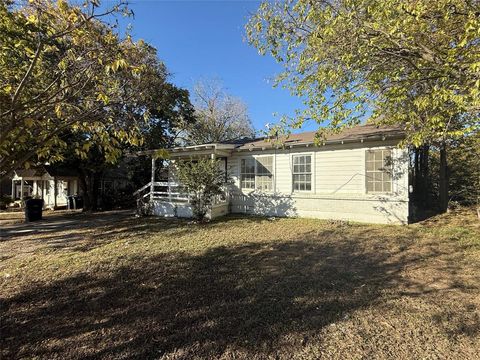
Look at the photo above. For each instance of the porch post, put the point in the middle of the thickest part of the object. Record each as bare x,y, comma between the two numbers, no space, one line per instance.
13,190
54,193
213,156
21,188
152,181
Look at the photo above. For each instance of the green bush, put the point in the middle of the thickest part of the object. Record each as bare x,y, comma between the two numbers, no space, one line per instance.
203,179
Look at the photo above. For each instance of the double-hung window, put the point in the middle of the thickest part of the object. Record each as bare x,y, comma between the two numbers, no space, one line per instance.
379,171
264,173
257,173
302,172
247,173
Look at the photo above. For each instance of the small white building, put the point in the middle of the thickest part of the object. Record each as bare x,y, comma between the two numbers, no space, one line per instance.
359,174
53,185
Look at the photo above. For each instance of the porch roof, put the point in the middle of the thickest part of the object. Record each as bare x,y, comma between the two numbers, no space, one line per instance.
218,149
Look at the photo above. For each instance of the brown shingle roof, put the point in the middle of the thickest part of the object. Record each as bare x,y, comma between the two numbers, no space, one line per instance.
365,132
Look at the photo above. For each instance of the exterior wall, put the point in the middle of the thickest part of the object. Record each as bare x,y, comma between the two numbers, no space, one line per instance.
338,185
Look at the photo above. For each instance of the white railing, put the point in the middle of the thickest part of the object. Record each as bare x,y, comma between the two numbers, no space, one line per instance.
171,191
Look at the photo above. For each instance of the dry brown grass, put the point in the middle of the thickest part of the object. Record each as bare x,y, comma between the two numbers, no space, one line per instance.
112,286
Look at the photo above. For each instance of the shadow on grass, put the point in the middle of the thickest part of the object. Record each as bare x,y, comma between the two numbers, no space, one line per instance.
242,299
86,231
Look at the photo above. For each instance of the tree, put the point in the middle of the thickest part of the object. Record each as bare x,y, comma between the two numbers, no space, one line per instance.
409,63
169,109
65,71
465,170
203,179
170,114
219,116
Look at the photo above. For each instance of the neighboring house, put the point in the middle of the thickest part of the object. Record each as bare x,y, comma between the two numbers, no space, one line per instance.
53,185
359,174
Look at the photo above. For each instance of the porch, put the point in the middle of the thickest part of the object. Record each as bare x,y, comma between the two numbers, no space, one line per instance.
42,184
168,198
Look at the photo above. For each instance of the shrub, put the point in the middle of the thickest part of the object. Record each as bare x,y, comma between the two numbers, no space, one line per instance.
203,179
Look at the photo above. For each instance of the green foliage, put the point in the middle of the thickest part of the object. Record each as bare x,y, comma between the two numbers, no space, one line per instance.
66,71
463,174
203,179
414,63
464,179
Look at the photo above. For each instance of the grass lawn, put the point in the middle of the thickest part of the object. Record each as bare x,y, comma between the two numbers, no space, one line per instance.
241,288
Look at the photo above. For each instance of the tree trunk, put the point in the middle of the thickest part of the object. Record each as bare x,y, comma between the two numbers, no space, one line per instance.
424,175
88,184
443,189
416,177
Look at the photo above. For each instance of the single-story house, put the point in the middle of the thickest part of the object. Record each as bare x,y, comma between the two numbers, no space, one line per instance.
359,174
51,184
54,184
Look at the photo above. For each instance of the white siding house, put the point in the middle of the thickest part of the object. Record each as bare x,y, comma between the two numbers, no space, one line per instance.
358,175
52,185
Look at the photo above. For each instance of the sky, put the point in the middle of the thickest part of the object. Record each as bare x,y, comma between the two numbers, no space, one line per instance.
206,40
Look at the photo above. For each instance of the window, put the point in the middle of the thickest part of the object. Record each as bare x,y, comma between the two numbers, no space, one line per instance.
257,173
379,171
247,173
302,172
264,175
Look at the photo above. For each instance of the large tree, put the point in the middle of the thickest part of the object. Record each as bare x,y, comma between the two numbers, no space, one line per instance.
169,110
412,63
64,70
219,115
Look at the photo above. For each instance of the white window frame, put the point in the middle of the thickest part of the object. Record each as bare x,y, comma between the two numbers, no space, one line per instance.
273,172
368,177
242,173
255,157
312,172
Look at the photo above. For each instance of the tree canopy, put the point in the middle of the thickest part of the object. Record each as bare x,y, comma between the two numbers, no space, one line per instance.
414,63
218,115
65,70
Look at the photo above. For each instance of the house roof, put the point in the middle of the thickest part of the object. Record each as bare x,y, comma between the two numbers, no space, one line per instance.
367,132
31,172
61,171
46,169
362,132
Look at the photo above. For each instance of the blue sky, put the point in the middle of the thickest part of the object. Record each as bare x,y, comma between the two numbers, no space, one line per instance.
205,39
